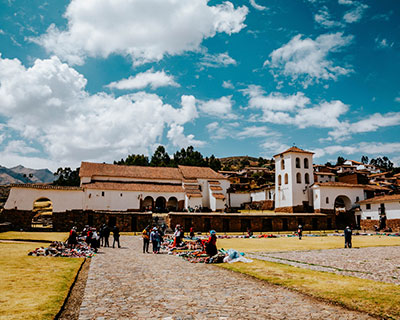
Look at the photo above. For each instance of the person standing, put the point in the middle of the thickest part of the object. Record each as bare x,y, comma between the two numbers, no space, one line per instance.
146,239
116,236
106,235
154,237
347,237
300,231
191,232
73,238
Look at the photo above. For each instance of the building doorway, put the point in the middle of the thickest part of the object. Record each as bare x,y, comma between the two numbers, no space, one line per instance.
43,218
160,205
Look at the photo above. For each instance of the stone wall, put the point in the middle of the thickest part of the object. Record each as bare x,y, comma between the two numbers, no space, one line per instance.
294,209
367,224
260,205
64,221
257,223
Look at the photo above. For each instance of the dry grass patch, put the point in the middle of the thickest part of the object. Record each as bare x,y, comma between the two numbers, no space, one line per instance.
376,298
33,287
44,236
307,243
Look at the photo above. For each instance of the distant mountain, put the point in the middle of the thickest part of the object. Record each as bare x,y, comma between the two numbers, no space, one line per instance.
20,174
238,162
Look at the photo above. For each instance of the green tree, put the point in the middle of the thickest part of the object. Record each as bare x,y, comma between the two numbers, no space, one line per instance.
134,160
364,159
382,163
160,158
189,157
67,177
340,161
214,163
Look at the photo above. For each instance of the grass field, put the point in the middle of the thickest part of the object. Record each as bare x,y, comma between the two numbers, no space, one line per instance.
44,236
377,298
33,287
307,243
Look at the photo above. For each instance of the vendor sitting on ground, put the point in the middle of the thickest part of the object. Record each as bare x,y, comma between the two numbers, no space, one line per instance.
211,244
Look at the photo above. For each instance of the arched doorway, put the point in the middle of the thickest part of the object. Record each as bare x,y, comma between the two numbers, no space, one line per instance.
172,204
43,218
344,214
147,204
160,204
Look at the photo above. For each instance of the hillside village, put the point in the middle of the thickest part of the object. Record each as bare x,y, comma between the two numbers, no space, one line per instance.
257,194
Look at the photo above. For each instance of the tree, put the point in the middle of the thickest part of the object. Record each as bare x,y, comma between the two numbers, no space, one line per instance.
244,163
364,159
67,177
328,164
189,157
160,158
382,163
134,160
340,161
214,163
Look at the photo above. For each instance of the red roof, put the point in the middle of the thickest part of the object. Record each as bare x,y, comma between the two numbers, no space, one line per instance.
294,149
392,197
218,196
339,184
140,187
190,172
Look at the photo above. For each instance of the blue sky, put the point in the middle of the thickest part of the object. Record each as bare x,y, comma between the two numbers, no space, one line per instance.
98,80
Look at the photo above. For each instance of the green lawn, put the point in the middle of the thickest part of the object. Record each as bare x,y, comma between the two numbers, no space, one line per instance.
44,236
307,243
33,287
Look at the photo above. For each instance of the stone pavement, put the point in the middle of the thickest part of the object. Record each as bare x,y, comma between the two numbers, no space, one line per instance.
374,263
127,284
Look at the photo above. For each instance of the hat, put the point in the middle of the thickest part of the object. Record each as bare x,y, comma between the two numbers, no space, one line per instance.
155,229
212,232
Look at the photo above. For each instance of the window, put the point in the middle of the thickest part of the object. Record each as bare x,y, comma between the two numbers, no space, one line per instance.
279,180
282,164
90,195
307,178
121,194
357,199
322,176
368,218
327,199
368,206
306,163
297,162
286,178
102,193
298,177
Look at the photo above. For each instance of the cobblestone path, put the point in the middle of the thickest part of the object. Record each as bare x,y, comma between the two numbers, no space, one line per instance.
127,284
374,263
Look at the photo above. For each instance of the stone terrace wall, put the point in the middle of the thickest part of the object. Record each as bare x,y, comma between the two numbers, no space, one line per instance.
19,219
394,224
240,223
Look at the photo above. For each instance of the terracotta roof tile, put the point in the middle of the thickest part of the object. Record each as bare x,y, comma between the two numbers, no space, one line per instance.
294,149
339,184
392,197
215,188
190,172
141,187
210,182
218,196
90,169
194,195
43,186
325,173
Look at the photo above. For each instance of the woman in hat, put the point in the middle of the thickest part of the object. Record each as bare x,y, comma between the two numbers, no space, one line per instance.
211,244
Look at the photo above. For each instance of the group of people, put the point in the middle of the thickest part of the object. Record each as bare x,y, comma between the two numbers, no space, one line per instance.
94,237
155,236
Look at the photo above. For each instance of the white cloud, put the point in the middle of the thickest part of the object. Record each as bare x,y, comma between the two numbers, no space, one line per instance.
2,31
255,132
370,124
324,19
270,148
257,6
145,30
177,137
346,2
221,107
355,15
308,59
228,85
217,60
397,99
383,43
218,130
142,80
372,148
19,146
47,104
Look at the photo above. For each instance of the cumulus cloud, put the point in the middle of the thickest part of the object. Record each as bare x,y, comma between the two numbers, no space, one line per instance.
142,80
372,148
48,104
228,85
370,124
217,60
308,59
257,6
255,132
221,107
270,148
177,137
144,30
355,14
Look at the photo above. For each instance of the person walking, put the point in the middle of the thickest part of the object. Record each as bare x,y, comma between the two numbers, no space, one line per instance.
146,239
300,231
116,236
106,235
347,237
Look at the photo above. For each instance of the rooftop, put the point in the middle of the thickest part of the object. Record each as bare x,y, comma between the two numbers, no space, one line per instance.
294,149
388,198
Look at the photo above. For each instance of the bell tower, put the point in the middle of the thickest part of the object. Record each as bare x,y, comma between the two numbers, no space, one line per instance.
293,177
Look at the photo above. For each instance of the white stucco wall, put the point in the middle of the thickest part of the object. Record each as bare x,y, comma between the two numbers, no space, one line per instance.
62,200
321,193
258,196
193,202
237,199
392,210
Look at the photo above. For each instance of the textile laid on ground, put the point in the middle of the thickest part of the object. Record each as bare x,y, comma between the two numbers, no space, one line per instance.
61,249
